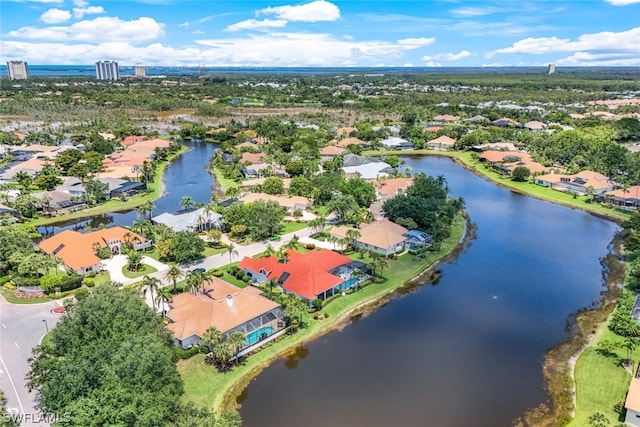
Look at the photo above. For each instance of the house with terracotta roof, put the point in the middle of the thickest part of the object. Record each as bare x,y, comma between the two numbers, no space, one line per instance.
252,158
228,309
506,161
628,198
383,236
445,118
389,187
578,183
78,251
344,143
442,143
133,139
316,274
534,126
290,204
329,152
632,402
345,131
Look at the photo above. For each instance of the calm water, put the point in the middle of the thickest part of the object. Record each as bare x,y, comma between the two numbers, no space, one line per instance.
465,352
185,176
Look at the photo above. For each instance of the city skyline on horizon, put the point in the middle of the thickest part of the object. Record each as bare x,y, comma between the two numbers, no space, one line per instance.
321,33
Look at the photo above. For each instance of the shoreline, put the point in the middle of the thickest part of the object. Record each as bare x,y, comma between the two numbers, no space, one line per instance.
227,394
81,215
363,308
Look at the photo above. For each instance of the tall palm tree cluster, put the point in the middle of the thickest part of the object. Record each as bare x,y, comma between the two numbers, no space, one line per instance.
222,348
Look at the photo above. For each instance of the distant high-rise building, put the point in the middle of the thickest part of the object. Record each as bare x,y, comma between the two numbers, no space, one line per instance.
551,69
17,70
107,70
140,70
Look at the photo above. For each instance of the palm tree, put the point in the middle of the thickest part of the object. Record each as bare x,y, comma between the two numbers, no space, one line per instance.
143,227
272,283
283,255
194,280
294,243
317,224
269,251
207,278
353,235
174,274
212,337
146,210
236,340
629,344
152,285
163,298
231,250
187,202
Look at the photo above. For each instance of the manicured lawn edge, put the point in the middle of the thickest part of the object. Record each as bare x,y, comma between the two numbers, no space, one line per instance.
205,386
11,298
156,188
144,270
465,158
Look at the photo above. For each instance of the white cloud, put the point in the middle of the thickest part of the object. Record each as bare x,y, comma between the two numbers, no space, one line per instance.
417,42
198,32
254,24
96,30
624,42
318,10
447,56
184,24
55,16
262,49
408,64
622,2
81,3
433,64
473,11
79,12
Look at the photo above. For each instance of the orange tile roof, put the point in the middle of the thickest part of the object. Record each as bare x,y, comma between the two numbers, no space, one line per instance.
446,118
630,193
76,249
345,131
350,141
308,274
442,140
390,187
494,156
331,150
194,314
252,158
284,201
132,139
633,395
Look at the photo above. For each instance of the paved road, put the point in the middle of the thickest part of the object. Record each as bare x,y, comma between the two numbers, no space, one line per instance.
21,329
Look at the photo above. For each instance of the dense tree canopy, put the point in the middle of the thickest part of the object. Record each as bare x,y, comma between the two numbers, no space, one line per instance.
110,362
425,204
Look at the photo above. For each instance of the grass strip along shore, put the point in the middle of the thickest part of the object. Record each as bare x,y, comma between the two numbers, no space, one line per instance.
205,386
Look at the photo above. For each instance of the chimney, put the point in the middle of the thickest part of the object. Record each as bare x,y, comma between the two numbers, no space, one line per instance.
229,300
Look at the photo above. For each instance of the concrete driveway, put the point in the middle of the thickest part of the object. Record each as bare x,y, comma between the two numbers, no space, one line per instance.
115,264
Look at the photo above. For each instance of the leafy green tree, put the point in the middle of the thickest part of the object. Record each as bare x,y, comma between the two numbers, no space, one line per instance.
185,247
212,337
187,202
341,205
145,210
273,185
23,180
294,168
363,192
110,361
300,186
520,173
67,159
96,191
47,182
134,260
13,241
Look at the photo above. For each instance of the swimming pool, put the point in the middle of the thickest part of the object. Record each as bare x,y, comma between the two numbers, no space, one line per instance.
258,334
349,283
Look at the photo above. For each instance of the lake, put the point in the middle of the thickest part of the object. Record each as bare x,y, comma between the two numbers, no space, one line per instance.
186,175
467,350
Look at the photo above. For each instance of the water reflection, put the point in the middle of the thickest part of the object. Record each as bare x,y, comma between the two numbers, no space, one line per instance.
465,352
186,175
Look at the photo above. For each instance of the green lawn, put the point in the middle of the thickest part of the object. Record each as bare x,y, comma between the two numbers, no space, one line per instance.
291,227
209,250
468,159
144,270
102,278
601,381
154,191
204,385
222,183
8,295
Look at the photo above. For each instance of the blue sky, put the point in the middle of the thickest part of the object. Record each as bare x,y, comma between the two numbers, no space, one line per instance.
322,33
